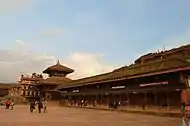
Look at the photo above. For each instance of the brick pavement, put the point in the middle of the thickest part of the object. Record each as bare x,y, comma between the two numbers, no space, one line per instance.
64,116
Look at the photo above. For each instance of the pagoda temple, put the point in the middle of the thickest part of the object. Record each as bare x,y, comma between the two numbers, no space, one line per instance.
57,76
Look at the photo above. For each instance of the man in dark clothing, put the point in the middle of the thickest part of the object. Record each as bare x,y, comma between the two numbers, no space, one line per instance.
32,105
40,106
111,104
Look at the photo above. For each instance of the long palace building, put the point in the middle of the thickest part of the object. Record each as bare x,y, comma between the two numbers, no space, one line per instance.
155,79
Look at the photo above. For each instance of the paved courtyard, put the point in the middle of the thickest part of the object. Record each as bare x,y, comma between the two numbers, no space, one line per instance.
61,116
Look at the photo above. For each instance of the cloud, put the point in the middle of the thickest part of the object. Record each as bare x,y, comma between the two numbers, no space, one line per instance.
87,64
14,62
12,5
17,61
21,42
51,32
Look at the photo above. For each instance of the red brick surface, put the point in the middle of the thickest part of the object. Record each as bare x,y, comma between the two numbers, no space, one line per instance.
61,116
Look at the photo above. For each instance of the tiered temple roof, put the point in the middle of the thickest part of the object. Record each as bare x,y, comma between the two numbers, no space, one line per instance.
55,80
57,75
58,68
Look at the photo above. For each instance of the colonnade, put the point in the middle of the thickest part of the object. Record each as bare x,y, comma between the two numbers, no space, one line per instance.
170,99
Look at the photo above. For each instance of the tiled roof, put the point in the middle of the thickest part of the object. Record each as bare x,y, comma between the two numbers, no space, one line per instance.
58,68
131,71
55,80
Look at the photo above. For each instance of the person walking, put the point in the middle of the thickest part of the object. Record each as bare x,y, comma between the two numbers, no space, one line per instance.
45,105
40,105
32,105
8,102
12,104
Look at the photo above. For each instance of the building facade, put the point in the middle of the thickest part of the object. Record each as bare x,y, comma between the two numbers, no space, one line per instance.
154,80
5,89
27,85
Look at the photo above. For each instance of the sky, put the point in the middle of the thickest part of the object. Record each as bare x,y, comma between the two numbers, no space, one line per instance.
89,36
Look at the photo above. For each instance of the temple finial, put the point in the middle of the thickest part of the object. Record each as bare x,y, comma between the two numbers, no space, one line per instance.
58,63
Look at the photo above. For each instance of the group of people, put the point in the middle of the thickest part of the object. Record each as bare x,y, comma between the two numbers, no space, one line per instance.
114,104
40,103
9,104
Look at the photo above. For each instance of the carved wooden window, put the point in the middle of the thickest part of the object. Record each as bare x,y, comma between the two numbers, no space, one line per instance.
30,93
34,93
26,92
22,92
27,87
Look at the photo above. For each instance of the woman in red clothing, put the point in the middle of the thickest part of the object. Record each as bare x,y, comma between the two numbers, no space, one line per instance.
8,102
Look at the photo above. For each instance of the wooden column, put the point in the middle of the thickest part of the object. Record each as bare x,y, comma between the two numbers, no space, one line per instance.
101,99
145,100
90,99
106,99
120,98
128,100
156,98
168,100
96,100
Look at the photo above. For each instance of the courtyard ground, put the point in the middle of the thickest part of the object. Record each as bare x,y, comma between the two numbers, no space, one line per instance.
65,116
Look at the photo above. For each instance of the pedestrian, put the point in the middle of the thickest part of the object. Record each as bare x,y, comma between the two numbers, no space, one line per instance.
143,106
12,104
32,105
45,105
111,104
8,102
40,106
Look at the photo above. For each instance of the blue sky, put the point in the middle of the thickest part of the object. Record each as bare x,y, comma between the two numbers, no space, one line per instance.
120,30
